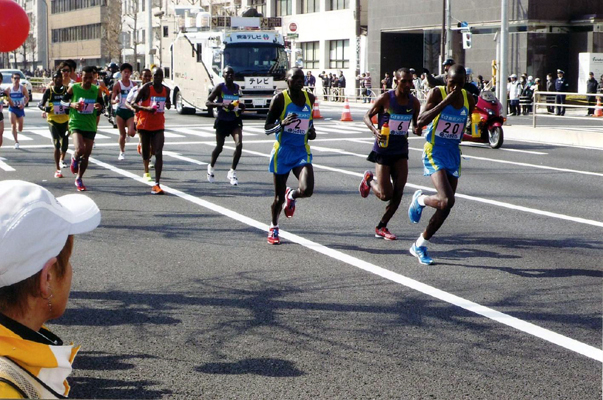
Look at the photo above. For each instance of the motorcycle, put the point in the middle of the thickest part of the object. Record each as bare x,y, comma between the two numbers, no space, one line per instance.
486,121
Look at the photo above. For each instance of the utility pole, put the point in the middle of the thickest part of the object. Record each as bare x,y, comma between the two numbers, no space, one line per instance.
443,38
448,31
504,44
150,31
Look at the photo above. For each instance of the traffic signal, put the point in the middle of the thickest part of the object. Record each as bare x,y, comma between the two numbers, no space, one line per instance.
466,40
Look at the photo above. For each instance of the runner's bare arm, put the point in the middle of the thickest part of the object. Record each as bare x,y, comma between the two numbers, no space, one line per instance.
272,119
415,116
168,102
379,105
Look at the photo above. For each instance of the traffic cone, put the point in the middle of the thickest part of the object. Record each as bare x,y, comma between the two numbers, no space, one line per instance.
316,111
346,115
599,108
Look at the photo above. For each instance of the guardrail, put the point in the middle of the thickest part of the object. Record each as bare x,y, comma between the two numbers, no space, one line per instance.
551,104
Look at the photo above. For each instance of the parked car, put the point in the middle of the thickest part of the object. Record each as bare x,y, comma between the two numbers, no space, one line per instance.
7,82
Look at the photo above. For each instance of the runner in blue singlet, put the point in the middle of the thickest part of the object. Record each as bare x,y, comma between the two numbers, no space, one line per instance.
398,108
290,118
225,97
446,113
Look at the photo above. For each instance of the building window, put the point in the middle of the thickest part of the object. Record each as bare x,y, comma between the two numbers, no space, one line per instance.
310,54
259,5
143,38
166,31
283,7
310,6
61,6
339,51
339,4
199,52
76,33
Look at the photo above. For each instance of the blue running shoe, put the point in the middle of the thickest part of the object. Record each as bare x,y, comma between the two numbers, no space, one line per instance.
415,210
421,254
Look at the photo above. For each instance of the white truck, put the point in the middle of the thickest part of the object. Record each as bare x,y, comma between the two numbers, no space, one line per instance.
258,58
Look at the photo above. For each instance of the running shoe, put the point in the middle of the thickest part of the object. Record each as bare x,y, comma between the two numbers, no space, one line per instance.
17,146
80,185
421,254
151,165
147,177
210,174
58,174
139,148
365,187
74,167
289,205
232,177
156,189
415,209
62,164
385,234
273,237
122,156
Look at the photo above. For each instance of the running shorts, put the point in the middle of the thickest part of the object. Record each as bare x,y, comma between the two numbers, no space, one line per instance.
284,159
59,134
124,113
386,159
225,128
85,134
436,158
19,112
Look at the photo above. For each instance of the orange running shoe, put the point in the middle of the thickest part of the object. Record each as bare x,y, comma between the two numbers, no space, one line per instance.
385,234
156,190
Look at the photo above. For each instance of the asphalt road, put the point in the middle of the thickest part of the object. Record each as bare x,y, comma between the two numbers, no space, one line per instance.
180,296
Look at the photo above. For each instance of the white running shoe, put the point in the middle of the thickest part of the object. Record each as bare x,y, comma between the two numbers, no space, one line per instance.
62,164
210,174
122,156
17,146
232,177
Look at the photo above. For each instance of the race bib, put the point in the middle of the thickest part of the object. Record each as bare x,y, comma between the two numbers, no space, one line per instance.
450,126
229,98
158,103
58,108
301,126
399,124
88,107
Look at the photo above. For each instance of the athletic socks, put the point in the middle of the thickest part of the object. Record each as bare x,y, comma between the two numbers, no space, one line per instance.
421,241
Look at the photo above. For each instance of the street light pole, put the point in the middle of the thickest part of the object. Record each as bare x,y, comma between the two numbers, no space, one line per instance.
443,38
150,32
504,43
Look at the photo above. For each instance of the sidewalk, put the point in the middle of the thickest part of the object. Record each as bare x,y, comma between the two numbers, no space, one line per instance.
566,137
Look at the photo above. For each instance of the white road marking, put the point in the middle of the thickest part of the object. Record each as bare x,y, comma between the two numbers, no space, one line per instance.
485,145
181,157
5,166
9,135
505,319
430,189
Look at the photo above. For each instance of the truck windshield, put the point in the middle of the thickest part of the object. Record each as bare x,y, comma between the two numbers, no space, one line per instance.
256,59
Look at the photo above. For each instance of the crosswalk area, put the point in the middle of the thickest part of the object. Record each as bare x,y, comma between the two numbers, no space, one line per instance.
31,135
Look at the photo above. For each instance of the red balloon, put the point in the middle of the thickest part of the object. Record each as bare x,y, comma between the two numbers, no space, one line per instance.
14,26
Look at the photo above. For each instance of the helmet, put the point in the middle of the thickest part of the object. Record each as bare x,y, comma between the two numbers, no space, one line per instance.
113,66
450,61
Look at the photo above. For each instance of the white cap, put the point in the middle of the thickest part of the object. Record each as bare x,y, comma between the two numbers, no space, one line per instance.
514,76
34,226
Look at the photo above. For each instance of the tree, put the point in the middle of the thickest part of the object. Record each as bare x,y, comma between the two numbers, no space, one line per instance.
130,19
112,29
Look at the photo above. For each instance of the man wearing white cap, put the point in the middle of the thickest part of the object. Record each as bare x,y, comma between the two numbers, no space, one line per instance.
36,242
561,85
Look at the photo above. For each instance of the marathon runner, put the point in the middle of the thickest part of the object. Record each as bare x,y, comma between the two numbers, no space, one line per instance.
227,123
85,101
57,116
125,116
290,118
146,77
151,102
19,96
398,108
446,113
